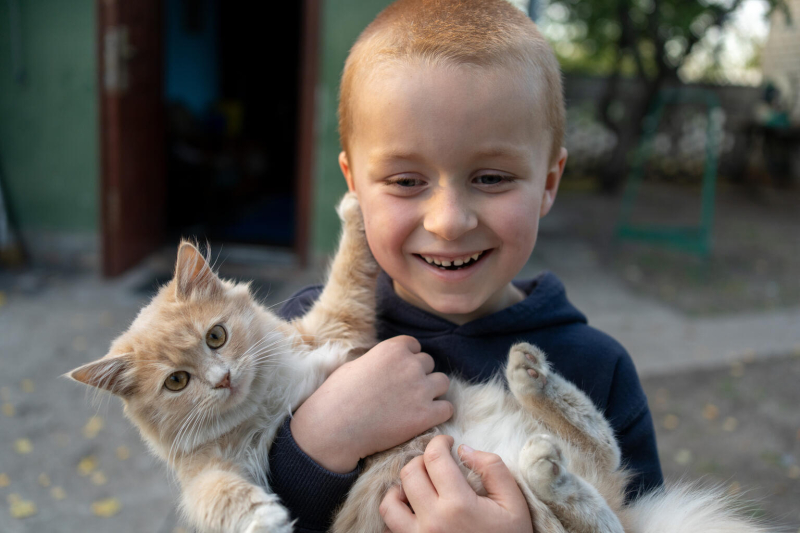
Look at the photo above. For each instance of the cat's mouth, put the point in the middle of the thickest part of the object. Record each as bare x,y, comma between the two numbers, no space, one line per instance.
454,263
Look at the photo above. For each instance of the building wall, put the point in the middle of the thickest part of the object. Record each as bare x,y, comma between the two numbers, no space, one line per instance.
781,55
49,118
341,22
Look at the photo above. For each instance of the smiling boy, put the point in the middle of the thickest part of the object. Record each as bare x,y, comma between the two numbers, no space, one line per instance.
451,123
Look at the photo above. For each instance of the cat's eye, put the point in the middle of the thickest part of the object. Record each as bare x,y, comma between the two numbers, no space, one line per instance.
177,381
216,337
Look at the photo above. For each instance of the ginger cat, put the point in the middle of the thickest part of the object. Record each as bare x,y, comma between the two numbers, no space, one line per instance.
207,375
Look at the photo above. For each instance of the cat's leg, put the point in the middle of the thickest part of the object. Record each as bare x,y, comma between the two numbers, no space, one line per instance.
576,503
218,499
560,405
345,310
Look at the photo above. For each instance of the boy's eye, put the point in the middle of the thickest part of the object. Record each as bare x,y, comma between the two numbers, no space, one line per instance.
490,179
406,182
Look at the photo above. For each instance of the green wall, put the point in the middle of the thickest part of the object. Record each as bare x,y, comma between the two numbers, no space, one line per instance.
49,120
342,21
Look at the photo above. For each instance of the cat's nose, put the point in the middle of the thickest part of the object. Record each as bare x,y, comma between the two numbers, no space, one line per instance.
225,383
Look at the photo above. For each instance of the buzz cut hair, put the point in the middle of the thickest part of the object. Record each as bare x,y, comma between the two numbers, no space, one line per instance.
482,33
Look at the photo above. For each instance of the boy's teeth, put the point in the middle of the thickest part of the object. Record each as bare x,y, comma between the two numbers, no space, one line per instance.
437,262
446,263
476,256
459,262
428,259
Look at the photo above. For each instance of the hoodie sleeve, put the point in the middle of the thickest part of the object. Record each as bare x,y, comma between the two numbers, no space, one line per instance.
310,492
629,414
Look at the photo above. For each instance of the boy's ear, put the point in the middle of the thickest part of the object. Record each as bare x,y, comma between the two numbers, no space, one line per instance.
344,164
192,273
551,182
108,373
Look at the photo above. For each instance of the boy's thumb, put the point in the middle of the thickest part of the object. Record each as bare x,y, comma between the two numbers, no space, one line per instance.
496,478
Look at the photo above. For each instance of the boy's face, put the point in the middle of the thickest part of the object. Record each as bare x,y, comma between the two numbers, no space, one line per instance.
450,163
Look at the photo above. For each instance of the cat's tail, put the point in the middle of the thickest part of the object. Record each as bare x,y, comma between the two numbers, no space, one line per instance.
689,508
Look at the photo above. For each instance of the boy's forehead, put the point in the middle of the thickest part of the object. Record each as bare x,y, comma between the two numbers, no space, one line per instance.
415,102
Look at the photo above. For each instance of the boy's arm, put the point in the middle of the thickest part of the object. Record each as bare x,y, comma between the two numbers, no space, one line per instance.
629,414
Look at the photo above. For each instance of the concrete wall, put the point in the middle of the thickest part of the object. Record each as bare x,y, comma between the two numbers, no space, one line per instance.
49,118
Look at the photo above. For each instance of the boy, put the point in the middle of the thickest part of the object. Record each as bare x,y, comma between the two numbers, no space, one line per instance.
451,123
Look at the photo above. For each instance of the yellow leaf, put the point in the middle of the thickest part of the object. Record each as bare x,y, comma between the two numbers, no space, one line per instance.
22,509
670,422
730,424
93,427
4,481
87,465
98,478
58,493
710,411
44,481
23,446
737,369
794,472
123,453
8,409
106,508
27,385
683,456
13,498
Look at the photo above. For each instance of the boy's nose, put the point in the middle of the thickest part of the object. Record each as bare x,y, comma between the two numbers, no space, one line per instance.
449,215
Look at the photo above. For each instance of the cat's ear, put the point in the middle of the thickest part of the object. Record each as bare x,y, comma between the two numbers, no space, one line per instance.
193,273
109,373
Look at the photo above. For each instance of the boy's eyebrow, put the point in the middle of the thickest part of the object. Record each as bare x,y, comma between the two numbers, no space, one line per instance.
406,155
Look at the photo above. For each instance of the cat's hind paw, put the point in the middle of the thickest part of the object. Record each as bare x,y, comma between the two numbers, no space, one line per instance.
545,468
527,371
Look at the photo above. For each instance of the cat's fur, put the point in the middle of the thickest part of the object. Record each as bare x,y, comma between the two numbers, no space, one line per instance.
554,440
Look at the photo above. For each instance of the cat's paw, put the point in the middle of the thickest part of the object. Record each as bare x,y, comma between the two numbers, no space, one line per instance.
269,518
544,467
527,370
349,211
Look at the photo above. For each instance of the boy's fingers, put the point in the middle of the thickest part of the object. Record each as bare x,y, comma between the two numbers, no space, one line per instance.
438,383
427,362
417,485
411,343
496,478
443,470
395,513
441,411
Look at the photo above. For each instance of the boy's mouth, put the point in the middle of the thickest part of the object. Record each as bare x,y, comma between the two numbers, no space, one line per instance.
453,263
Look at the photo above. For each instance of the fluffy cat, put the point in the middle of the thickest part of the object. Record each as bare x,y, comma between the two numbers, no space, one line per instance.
207,375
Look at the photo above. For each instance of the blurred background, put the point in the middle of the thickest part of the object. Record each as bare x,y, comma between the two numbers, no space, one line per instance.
125,125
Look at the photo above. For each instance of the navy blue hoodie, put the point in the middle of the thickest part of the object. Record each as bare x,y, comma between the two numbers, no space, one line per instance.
590,359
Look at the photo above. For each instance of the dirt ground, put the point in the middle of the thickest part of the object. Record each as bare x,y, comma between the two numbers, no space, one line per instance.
737,426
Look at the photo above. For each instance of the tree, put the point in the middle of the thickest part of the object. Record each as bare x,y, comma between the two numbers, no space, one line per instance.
648,40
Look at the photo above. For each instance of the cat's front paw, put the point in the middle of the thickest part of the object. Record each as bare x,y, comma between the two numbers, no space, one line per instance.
527,370
545,468
349,211
269,519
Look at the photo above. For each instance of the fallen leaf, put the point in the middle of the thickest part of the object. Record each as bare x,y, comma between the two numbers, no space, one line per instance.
20,508
98,478
749,356
683,456
4,481
106,508
8,409
93,427
123,453
44,481
670,422
794,472
710,411
87,465
23,446
27,385
180,529
58,493
13,498
730,424
662,397
737,369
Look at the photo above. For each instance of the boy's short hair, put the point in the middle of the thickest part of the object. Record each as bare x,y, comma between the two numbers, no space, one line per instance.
484,33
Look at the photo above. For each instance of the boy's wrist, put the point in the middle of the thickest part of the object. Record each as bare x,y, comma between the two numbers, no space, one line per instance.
327,452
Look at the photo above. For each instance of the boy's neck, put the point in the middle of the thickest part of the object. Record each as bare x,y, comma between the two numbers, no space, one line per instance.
509,296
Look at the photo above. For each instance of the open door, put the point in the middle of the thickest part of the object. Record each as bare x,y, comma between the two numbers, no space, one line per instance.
132,148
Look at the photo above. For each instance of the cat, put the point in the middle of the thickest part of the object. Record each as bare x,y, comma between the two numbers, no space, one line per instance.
207,375
249,369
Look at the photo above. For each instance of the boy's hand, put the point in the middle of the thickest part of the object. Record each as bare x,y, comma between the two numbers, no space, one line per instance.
443,501
380,400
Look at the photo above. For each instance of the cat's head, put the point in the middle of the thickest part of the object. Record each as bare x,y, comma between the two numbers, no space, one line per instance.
196,361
